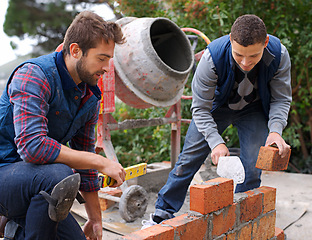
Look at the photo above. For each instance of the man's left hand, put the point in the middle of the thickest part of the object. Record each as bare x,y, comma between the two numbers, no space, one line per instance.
275,138
93,230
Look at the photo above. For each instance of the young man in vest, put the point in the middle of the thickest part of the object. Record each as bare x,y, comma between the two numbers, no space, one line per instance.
48,113
242,79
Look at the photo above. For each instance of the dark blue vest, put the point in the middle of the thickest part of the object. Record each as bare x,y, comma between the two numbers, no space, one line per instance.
65,116
221,53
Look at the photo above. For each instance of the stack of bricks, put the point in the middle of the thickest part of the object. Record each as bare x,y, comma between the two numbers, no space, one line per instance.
218,214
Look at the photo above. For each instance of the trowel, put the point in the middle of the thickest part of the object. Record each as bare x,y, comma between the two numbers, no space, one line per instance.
231,167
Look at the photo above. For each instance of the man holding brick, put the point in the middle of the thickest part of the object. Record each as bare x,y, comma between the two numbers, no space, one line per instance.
242,79
48,114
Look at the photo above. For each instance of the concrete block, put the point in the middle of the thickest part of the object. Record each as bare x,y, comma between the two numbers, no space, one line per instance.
270,160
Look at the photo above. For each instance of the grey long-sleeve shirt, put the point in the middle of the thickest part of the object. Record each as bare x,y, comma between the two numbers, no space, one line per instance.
203,87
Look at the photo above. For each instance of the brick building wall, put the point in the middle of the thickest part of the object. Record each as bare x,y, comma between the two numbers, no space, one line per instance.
218,214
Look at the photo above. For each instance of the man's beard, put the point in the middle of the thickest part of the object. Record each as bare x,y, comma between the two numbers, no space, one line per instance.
85,75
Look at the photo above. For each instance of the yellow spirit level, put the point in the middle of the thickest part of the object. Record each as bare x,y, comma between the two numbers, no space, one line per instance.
132,172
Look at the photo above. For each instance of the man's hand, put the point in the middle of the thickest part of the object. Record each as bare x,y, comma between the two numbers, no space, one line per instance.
219,151
275,138
93,227
93,230
115,171
88,160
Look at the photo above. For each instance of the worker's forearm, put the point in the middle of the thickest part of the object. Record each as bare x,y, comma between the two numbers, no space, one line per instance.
81,159
92,205
87,160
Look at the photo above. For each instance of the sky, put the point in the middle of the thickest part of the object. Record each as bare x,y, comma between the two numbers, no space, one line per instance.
7,54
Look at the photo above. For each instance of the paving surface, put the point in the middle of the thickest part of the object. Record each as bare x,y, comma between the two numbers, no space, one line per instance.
293,203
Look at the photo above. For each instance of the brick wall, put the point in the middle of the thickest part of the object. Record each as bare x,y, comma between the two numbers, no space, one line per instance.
218,214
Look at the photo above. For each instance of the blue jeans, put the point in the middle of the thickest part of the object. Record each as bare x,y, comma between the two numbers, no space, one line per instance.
20,201
252,130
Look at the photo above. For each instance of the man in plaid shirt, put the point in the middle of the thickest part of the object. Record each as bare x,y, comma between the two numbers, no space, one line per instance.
48,113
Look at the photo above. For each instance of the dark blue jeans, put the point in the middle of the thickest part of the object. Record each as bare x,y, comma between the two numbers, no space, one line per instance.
20,201
252,132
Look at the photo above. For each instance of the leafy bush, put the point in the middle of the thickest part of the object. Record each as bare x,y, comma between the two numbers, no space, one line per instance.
148,144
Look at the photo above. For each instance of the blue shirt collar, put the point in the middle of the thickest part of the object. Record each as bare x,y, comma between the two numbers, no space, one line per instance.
67,80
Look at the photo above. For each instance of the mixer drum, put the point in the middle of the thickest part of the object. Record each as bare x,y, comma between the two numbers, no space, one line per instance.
152,67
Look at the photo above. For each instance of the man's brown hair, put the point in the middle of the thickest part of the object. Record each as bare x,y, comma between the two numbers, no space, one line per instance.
88,29
248,30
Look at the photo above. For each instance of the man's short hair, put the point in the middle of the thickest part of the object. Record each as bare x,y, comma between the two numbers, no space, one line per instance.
248,30
88,29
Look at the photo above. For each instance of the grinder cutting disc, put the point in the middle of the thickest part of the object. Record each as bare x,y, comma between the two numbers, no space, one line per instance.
231,167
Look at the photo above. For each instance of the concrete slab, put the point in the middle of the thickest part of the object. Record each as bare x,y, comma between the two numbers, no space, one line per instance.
293,202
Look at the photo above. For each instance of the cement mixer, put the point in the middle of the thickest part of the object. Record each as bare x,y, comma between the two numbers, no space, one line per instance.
152,67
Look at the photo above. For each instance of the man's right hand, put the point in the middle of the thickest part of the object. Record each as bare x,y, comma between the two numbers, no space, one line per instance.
88,160
115,171
219,151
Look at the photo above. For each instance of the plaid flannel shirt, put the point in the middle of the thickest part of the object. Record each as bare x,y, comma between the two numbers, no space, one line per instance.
29,92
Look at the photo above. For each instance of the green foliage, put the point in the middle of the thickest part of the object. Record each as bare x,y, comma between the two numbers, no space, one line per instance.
149,144
290,20
230,137
143,8
46,22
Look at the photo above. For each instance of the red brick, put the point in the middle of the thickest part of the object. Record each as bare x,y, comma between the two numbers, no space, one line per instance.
231,236
270,160
269,198
106,204
224,221
279,234
156,232
212,195
264,228
187,227
244,233
251,206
